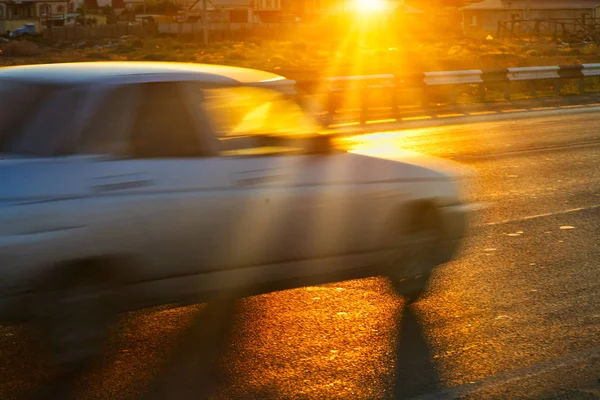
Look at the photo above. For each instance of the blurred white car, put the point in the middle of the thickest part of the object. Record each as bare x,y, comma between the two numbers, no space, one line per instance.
129,185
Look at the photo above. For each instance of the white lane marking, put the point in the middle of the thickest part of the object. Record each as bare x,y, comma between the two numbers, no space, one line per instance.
570,211
516,153
511,377
476,206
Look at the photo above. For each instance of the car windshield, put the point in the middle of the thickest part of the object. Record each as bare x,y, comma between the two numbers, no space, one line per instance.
244,116
18,102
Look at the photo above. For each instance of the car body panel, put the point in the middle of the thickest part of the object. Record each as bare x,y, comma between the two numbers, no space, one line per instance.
195,227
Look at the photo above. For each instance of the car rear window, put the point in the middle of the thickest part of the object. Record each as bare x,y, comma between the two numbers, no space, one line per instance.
18,104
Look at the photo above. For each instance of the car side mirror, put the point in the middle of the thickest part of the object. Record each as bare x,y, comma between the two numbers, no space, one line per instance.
311,144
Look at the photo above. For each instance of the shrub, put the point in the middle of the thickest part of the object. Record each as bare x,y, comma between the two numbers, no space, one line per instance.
124,48
278,60
455,50
20,48
156,57
98,56
236,55
549,51
590,49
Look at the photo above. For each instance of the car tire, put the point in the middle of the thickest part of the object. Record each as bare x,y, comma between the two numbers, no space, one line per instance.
417,255
72,315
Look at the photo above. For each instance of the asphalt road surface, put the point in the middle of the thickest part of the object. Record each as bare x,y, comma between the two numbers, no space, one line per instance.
516,316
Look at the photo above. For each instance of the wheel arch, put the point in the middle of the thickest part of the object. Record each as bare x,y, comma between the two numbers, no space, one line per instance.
411,213
118,269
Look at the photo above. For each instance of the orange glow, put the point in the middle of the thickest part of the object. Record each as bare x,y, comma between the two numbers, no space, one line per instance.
369,5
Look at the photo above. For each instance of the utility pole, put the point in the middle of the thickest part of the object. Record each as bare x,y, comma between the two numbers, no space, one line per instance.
205,21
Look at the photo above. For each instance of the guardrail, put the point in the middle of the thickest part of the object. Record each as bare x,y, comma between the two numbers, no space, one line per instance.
390,86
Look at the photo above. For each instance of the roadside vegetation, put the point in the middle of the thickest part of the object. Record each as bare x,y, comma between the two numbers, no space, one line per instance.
308,59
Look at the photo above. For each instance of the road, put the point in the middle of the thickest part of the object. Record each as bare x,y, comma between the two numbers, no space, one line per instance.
517,315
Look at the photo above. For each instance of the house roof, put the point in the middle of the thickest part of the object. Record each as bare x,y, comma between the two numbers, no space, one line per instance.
534,5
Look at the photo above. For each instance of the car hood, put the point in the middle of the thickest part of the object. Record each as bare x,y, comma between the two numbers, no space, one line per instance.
413,165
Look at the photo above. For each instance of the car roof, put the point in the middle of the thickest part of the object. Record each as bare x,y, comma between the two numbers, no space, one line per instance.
87,72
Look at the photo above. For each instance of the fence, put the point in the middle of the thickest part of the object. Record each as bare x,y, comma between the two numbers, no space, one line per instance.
386,89
216,31
230,31
73,33
570,29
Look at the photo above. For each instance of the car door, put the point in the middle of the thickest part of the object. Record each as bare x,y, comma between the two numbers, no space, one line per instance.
312,207
154,188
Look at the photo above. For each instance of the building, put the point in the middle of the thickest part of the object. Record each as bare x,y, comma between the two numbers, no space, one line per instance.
265,11
485,16
15,13
117,5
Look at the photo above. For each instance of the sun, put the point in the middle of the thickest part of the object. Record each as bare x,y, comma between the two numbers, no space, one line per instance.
369,5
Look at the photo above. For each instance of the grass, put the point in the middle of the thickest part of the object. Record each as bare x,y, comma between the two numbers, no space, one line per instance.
302,59
305,59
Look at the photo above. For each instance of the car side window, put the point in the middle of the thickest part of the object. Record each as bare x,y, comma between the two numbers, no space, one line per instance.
242,116
106,131
245,110
162,125
45,133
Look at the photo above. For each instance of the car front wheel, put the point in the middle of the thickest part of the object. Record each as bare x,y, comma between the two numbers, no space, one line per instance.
417,255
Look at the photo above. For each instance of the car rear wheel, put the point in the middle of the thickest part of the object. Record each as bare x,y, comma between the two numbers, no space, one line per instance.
416,255
72,315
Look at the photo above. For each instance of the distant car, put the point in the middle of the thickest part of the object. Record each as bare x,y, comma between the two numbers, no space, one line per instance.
25,30
130,185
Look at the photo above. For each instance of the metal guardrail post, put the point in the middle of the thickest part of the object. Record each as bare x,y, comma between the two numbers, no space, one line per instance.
453,94
532,74
416,81
331,106
453,78
558,87
570,72
364,104
589,71
425,97
481,92
394,95
532,90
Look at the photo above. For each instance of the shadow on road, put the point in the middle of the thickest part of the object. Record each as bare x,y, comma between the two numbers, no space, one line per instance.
194,370
415,371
